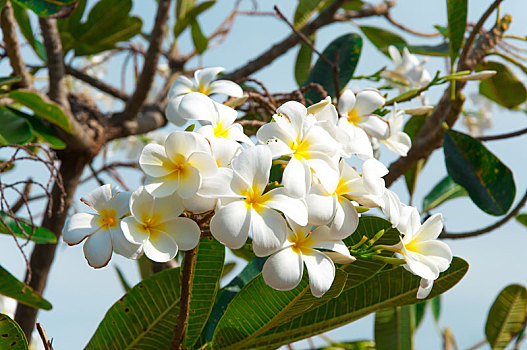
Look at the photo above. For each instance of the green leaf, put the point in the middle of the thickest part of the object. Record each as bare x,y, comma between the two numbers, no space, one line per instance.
522,219
49,111
436,307
198,38
420,309
246,251
445,190
72,23
15,130
182,7
305,9
38,235
122,279
303,62
40,130
183,22
24,23
353,345
504,88
457,22
429,50
352,5
205,284
227,268
506,316
382,38
13,288
348,47
389,288
394,328
144,317
488,182
45,8
412,127
12,337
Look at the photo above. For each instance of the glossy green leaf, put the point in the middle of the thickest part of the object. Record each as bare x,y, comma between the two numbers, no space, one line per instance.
22,18
38,235
11,335
49,111
352,5
389,288
412,127
305,9
488,182
441,50
144,317
14,130
348,47
182,7
436,307
504,88
198,38
522,219
457,22
122,279
506,316
303,62
11,287
205,284
42,131
183,22
45,8
382,38
445,190
227,268
246,251
394,328
420,309
72,24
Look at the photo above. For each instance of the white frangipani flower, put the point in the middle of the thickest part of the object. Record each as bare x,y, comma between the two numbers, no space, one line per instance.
101,229
7,306
356,112
204,85
284,268
481,120
425,256
156,226
246,208
311,148
398,142
178,166
391,206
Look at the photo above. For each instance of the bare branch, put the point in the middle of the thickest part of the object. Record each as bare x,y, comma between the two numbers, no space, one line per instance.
44,337
409,30
12,46
503,136
98,84
137,101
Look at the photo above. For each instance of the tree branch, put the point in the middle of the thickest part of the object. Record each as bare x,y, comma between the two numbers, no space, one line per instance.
12,46
137,101
512,214
503,136
327,16
409,30
98,84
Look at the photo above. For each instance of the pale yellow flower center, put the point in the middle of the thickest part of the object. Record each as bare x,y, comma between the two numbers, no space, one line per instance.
219,131
353,118
177,167
108,219
151,225
204,90
301,243
342,188
300,149
255,200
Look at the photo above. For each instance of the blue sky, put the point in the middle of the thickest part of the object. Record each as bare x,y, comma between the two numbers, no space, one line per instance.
81,295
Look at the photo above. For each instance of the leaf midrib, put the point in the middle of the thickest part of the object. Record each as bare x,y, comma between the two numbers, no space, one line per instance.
516,296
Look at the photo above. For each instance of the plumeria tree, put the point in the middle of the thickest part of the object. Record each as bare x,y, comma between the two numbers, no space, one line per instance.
291,183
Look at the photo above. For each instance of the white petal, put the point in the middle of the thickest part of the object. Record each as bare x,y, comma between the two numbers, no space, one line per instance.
121,203
254,166
142,204
133,230
438,252
328,113
124,247
219,185
421,267
162,186
293,208
235,133
325,170
425,287
100,198
197,106
183,143
226,114
226,87
154,160
395,55
346,219
297,178
167,208
283,270
368,101
431,228
189,182
204,163
276,138
321,272
80,226
231,223
160,247
399,143
184,231
358,142
198,204
206,75
172,111
182,85
268,231
321,205
224,151
375,126
346,102
372,173
98,249
391,207
295,112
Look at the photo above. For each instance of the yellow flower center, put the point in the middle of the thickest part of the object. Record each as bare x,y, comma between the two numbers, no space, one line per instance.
301,243
108,218
151,225
353,118
254,200
342,188
219,131
204,90
300,149
177,167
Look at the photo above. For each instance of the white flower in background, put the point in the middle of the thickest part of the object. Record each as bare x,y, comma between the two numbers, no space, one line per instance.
101,229
296,133
356,113
7,306
196,106
246,208
481,120
204,84
156,226
391,206
284,268
133,145
425,256
178,166
398,142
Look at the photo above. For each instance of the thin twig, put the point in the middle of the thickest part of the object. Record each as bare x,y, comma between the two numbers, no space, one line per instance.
478,345
98,84
409,30
512,214
44,337
503,136
95,175
23,198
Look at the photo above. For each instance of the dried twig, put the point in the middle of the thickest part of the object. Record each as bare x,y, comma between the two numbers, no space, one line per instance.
44,337
98,84
409,30
503,136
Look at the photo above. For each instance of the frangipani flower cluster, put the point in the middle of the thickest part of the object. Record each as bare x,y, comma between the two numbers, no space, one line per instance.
301,217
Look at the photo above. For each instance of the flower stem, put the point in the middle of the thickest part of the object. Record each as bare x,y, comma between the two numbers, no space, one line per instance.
189,263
